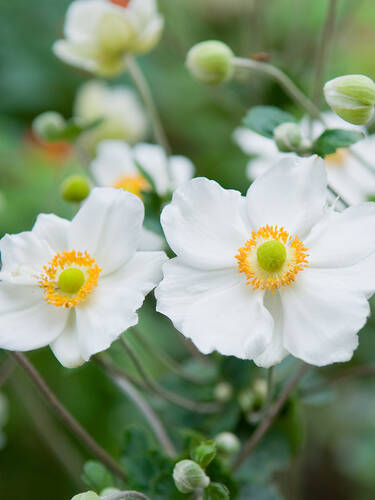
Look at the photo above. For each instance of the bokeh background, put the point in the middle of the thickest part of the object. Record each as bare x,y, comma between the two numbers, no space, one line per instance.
39,459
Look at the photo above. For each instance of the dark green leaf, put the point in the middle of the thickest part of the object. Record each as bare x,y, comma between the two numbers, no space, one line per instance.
204,453
333,139
264,119
216,491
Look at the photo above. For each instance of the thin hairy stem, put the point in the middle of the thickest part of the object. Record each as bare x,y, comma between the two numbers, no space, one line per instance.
66,417
121,380
176,399
286,83
269,418
122,495
145,92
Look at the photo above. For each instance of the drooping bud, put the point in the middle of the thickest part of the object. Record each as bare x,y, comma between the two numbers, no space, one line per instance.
49,126
188,476
89,495
352,97
210,62
75,188
227,443
288,137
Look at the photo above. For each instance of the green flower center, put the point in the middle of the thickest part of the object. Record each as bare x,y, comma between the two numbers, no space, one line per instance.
271,256
71,280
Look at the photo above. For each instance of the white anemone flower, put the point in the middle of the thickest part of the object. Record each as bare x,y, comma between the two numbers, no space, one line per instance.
99,34
76,286
274,273
346,174
122,115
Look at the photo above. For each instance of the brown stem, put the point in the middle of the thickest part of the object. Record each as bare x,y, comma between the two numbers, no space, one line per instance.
66,417
268,420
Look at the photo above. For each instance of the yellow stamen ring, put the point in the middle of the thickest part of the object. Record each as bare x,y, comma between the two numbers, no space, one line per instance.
271,258
69,278
135,184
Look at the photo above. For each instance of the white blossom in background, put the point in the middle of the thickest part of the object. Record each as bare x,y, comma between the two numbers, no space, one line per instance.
346,174
76,286
100,34
274,273
123,117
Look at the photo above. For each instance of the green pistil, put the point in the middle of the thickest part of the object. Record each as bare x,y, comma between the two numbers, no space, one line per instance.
71,280
271,256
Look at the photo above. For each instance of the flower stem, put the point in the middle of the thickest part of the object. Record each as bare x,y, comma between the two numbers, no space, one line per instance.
176,399
145,92
66,417
269,418
122,495
270,390
285,82
123,383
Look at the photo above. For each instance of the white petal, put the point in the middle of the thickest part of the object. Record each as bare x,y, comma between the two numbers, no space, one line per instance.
150,35
111,308
182,170
275,351
27,321
252,143
215,309
343,239
82,19
291,195
154,161
259,166
114,161
322,317
53,230
205,224
76,55
66,346
108,226
151,241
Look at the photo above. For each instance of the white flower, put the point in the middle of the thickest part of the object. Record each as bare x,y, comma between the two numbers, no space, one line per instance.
122,114
272,273
352,180
99,34
76,285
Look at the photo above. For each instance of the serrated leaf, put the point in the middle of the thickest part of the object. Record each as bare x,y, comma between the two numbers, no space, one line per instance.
331,140
264,119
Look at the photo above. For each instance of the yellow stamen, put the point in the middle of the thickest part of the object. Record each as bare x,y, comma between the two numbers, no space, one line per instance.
62,262
135,184
338,158
264,277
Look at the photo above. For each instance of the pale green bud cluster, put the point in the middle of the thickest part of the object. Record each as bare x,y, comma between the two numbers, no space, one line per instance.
352,97
188,476
210,62
288,137
49,125
75,188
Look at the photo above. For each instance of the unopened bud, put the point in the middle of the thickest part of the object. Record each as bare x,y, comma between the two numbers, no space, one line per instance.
227,443
109,491
75,188
223,392
288,137
89,495
49,126
188,476
352,97
210,62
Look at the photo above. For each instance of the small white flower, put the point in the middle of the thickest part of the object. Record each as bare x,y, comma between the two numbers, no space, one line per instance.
119,108
353,181
76,285
272,273
99,34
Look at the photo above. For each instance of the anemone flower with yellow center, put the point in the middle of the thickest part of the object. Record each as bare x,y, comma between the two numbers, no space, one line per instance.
76,286
274,273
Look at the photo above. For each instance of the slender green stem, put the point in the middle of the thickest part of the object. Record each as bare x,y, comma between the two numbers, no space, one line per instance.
270,390
270,417
66,417
176,399
288,85
145,92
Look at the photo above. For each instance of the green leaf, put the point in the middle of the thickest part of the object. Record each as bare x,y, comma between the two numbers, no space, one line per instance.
264,119
204,453
333,139
216,491
96,476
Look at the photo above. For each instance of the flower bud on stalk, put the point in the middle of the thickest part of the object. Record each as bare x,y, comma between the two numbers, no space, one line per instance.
288,137
49,126
188,476
227,443
210,62
352,97
75,188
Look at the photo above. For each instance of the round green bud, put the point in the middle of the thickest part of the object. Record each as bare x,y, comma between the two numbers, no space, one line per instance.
188,476
71,280
49,126
352,97
223,392
89,495
75,188
246,400
210,62
271,256
260,389
227,443
288,137
109,491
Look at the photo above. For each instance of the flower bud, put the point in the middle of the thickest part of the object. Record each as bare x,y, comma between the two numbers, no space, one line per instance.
210,62
223,392
188,476
89,495
227,443
109,491
352,97
49,126
75,188
288,137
